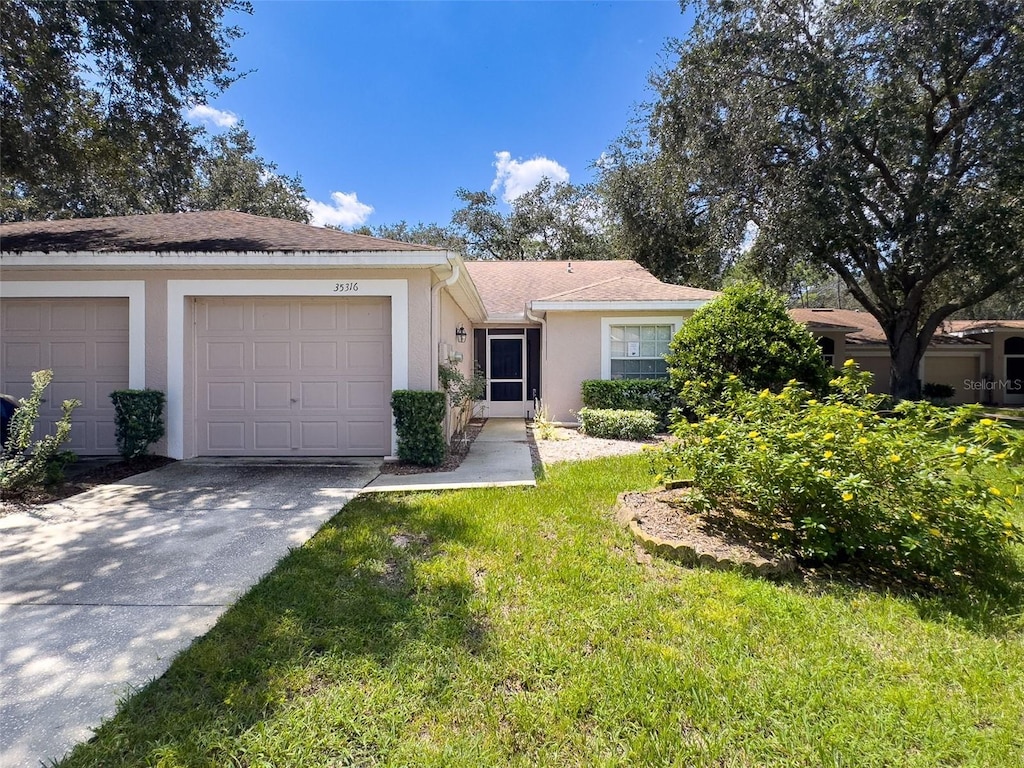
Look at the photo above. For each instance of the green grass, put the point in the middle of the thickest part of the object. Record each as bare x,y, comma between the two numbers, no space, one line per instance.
516,627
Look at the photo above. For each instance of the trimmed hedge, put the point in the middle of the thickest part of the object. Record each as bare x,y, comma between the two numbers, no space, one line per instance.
656,395
618,424
419,418
138,420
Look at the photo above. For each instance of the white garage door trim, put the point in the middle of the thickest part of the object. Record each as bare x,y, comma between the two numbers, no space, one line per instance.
133,290
179,290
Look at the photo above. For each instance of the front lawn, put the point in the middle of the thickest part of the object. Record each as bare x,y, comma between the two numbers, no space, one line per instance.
517,627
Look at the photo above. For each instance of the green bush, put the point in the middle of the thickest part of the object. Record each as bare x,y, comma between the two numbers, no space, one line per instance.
939,394
23,464
746,333
138,420
657,395
923,496
617,425
418,419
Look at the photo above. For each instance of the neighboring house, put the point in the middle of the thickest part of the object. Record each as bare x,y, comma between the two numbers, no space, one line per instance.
273,338
982,360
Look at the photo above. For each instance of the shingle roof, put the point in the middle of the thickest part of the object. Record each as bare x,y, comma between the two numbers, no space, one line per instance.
867,330
982,326
198,231
507,286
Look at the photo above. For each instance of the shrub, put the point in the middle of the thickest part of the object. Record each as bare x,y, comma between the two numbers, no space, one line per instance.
921,496
463,393
657,395
24,464
418,419
138,420
939,394
617,425
746,333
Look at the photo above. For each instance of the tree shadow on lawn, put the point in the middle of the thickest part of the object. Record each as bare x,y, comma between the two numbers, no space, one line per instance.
994,609
350,599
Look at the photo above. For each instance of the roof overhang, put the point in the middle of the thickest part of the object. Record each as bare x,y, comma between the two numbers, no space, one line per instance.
617,306
225,260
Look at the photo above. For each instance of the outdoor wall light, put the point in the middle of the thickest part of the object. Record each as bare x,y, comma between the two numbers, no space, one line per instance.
460,333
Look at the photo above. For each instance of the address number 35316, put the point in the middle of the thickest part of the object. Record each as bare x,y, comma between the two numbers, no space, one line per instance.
346,287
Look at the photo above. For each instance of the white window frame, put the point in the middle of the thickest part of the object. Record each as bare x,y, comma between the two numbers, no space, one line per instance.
675,321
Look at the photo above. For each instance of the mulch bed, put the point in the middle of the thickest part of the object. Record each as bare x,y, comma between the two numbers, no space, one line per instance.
80,481
456,453
667,525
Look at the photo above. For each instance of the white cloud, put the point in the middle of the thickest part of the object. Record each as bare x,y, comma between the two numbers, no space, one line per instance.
514,177
215,118
344,210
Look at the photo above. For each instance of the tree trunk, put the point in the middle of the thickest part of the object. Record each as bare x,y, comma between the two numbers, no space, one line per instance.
905,367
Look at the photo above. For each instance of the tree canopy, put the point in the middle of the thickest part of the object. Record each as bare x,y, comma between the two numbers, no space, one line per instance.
92,97
231,176
884,141
559,221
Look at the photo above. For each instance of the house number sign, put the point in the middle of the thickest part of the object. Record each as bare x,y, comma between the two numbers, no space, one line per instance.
346,287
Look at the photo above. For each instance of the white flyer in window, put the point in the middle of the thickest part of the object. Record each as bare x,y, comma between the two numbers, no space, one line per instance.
632,349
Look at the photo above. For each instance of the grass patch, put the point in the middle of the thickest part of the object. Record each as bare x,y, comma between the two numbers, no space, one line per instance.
516,627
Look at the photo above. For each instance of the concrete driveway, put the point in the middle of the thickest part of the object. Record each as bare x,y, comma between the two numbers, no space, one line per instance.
99,592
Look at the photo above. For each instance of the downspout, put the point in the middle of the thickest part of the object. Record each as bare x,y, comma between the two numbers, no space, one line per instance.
435,320
543,344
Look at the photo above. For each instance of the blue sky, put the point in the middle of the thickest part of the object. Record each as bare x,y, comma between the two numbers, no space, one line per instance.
392,106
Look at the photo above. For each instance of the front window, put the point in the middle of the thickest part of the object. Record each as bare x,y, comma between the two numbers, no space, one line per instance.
638,351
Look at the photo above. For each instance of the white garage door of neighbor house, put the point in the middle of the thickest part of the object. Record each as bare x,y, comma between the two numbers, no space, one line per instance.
85,343
293,376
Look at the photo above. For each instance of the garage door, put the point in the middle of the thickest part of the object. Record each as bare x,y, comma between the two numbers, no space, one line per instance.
85,342
293,376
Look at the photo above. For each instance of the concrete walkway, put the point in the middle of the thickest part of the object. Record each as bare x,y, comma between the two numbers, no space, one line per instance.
500,456
98,592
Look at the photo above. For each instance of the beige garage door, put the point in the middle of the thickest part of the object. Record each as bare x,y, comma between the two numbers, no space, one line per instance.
85,342
293,376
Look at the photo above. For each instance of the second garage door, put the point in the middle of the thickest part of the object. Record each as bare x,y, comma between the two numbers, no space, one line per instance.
85,343
293,377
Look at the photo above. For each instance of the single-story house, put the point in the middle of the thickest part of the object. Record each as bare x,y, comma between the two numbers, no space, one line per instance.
274,338
982,360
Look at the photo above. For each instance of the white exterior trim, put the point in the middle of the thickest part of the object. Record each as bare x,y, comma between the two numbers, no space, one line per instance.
133,290
616,306
179,290
676,321
193,260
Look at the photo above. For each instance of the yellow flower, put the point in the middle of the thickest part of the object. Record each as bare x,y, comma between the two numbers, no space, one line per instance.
805,463
935,532
826,473
829,454
753,434
987,422
794,435
705,441
895,458
829,436
915,517
961,449
995,491
863,441
847,496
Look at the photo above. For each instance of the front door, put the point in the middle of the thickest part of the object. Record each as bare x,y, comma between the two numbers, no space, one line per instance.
506,376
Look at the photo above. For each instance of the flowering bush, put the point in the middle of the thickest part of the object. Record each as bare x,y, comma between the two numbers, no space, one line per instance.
922,492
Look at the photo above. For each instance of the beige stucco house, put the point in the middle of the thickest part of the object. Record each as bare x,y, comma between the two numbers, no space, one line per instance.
273,338
982,360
